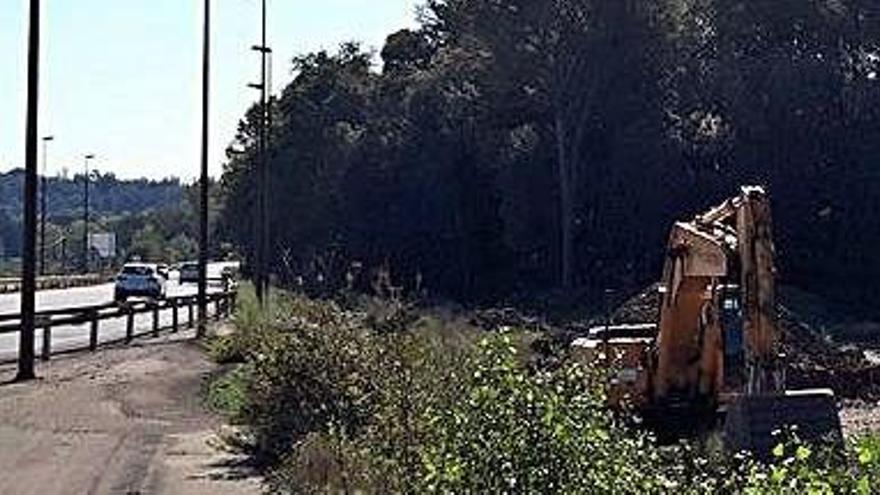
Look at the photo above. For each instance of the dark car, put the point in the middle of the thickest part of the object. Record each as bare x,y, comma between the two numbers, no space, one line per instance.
140,280
189,273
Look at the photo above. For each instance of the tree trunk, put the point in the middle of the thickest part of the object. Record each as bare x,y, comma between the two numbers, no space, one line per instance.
566,204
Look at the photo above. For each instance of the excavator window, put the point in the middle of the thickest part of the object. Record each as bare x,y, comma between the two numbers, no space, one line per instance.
734,348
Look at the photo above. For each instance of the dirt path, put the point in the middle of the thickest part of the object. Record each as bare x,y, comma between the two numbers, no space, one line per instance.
121,421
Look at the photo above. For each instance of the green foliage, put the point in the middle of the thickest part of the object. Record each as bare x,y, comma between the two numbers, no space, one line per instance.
511,430
249,319
498,123
152,219
800,468
226,349
108,195
111,202
147,244
340,400
227,394
10,235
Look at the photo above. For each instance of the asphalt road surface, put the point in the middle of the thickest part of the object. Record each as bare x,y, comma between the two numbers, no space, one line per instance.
73,337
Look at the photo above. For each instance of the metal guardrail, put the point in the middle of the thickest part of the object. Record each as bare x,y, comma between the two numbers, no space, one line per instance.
223,302
13,284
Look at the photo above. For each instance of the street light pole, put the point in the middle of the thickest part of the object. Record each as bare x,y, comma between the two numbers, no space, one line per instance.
28,270
85,259
43,202
262,222
203,210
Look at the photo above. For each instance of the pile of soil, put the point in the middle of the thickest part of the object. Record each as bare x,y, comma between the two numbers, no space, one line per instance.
815,361
643,307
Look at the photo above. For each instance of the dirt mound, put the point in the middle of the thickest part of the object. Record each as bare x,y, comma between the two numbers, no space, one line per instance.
812,361
643,307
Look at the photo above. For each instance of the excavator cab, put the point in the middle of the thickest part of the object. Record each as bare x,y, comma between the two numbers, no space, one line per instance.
733,338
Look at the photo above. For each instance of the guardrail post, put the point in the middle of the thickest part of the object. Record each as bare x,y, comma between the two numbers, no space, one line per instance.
93,333
129,325
155,319
190,308
47,342
174,315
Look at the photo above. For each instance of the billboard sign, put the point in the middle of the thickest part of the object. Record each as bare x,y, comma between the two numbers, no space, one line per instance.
103,244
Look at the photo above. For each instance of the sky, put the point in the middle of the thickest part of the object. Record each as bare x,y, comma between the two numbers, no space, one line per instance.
121,79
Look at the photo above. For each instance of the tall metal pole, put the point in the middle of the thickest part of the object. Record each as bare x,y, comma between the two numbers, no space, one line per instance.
261,220
85,252
264,169
43,201
28,270
258,222
262,182
203,210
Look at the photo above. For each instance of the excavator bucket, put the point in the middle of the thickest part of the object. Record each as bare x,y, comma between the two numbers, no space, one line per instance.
752,419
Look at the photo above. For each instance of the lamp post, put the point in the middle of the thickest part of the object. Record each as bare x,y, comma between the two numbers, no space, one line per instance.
262,220
43,203
203,207
28,267
85,255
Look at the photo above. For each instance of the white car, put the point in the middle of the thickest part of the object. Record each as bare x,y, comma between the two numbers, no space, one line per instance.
140,280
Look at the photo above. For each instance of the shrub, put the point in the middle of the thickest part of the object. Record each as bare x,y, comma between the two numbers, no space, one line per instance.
468,421
311,370
249,321
381,399
515,431
228,394
799,468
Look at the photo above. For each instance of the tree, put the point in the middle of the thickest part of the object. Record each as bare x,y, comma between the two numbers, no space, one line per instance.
147,244
509,147
578,65
407,51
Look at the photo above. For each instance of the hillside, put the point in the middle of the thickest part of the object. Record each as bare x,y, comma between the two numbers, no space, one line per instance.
108,195
109,198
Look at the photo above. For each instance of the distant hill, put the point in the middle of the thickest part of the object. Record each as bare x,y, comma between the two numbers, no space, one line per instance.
108,195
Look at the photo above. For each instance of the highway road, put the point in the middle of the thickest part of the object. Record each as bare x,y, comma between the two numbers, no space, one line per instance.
72,337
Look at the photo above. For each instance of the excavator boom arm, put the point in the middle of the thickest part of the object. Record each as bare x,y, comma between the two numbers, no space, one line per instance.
731,245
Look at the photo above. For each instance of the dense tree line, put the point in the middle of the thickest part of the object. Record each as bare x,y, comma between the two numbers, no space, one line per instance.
108,194
515,146
152,219
169,234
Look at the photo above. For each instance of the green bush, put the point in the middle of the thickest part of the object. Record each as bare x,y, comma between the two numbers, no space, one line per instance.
228,393
249,320
311,370
515,431
798,468
226,349
382,399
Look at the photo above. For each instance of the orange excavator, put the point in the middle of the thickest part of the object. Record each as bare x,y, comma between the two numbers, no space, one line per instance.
716,344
